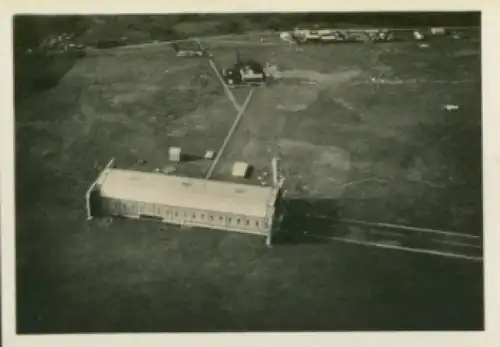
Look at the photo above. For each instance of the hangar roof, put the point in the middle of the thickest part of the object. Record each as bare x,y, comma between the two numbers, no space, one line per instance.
186,192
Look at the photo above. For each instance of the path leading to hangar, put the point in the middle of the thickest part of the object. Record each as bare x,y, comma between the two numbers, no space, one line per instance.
220,153
241,111
255,140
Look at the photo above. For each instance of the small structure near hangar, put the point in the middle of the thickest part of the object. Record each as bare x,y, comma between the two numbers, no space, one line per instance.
240,169
174,154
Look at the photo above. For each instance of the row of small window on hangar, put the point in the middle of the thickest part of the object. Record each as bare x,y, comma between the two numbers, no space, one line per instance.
183,200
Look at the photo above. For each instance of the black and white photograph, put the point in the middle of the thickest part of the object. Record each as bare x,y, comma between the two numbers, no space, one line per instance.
248,172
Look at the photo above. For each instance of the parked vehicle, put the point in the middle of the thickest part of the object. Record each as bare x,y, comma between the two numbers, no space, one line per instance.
244,72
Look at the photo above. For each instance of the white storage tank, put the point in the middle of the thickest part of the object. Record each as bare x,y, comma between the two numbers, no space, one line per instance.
174,154
240,169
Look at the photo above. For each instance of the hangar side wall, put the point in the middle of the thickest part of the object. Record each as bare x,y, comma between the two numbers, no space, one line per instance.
185,216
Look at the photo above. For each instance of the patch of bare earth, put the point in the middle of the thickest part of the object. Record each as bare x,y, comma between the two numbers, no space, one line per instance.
327,79
314,171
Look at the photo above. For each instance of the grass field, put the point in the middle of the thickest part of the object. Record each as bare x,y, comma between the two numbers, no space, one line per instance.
384,151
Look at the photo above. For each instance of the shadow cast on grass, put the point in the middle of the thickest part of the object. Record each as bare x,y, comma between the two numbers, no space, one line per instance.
301,220
188,157
41,71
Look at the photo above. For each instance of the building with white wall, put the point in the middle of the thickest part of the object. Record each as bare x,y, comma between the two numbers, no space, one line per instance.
183,201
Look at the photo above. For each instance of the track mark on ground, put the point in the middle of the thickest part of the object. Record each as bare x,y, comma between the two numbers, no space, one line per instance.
398,237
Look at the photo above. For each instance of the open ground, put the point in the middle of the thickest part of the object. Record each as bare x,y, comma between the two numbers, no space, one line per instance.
362,133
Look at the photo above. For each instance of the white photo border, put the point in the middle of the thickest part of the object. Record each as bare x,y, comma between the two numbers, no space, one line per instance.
491,166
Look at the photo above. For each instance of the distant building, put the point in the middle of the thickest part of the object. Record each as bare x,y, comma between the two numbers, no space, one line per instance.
183,201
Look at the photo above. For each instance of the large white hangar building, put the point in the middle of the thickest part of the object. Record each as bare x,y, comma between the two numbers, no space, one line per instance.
183,200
